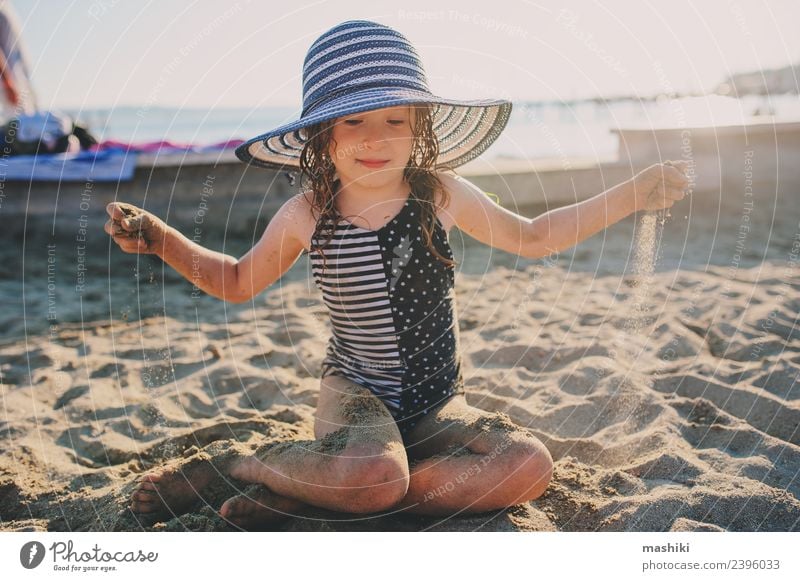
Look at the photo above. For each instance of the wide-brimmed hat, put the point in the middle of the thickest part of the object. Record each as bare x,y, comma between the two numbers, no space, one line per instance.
359,66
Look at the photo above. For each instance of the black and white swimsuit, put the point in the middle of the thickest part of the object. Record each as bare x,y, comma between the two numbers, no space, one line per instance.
392,310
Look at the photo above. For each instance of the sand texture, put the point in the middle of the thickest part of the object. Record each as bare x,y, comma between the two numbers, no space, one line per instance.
676,410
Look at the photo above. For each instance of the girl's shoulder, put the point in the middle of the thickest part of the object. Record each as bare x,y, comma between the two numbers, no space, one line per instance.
299,212
446,212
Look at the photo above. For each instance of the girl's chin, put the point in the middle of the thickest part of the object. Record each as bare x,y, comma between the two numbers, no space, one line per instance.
383,174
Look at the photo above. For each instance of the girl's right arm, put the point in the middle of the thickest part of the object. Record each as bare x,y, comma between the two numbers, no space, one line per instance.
212,272
217,274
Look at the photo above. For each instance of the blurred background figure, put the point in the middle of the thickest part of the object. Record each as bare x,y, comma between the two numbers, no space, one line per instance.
16,94
26,129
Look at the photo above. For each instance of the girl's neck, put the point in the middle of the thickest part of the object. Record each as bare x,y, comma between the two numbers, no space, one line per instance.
355,197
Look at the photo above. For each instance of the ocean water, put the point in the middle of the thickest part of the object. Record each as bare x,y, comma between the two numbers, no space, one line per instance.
536,130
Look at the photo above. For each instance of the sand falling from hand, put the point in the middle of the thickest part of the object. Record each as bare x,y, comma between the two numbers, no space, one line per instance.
154,374
644,267
645,258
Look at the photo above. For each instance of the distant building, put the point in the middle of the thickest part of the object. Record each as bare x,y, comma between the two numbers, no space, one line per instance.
769,82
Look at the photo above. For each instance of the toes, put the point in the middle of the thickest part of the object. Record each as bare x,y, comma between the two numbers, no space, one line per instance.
146,486
246,469
241,507
144,499
231,507
234,511
239,469
142,507
145,495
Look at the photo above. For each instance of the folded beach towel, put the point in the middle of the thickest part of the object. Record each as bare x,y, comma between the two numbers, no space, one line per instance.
98,166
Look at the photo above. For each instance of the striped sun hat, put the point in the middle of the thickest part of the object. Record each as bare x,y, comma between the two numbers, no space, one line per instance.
358,66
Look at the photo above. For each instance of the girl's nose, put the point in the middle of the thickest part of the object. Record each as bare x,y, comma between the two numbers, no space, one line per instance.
373,135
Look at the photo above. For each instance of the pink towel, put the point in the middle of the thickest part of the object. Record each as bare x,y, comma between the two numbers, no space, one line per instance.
165,146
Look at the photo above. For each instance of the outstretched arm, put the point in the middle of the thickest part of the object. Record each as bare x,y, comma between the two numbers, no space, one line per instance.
217,274
138,231
659,186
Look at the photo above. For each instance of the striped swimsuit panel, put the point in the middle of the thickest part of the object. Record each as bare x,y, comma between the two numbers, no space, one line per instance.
392,309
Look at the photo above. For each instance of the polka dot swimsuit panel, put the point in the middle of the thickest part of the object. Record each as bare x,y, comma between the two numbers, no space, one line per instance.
392,309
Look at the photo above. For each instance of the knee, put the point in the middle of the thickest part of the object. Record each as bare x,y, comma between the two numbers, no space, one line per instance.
532,468
372,478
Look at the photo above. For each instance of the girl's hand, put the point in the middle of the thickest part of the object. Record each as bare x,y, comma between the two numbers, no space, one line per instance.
135,230
661,185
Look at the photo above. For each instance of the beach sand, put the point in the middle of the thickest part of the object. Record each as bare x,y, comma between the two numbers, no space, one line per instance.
678,413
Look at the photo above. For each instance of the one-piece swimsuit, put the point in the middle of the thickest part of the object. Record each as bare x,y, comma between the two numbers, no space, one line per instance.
393,313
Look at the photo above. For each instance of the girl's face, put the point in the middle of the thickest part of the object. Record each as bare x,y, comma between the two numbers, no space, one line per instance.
372,148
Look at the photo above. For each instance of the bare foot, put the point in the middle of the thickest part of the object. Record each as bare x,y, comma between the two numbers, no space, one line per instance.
259,507
249,469
170,491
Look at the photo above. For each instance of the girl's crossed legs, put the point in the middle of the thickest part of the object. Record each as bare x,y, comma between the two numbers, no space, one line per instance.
467,460
463,459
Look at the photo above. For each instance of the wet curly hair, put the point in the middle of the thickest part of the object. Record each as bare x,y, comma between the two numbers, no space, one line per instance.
319,179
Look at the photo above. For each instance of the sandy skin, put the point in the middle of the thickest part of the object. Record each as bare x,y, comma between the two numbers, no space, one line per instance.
466,460
135,230
258,507
131,213
173,490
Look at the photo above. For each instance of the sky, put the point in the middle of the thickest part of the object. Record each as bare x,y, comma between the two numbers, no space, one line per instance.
245,53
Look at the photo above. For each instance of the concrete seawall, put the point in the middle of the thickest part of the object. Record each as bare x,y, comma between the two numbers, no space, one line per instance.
216,190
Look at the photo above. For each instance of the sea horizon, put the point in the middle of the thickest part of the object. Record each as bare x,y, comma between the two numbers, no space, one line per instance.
537,129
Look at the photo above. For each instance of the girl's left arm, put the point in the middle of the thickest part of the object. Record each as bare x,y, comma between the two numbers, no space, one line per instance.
565,227
659,186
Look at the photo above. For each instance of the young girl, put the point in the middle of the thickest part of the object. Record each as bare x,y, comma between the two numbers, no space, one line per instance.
393,429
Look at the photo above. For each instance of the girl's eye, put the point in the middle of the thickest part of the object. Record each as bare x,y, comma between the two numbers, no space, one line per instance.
353,122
